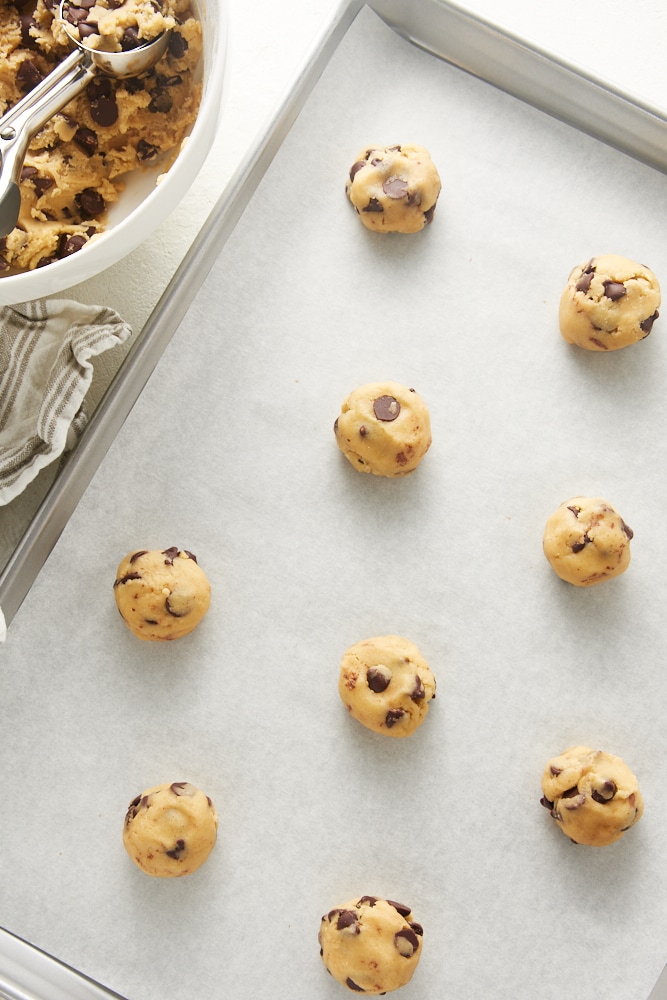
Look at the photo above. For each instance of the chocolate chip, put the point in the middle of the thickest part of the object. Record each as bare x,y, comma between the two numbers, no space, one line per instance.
627,529
146,151
90,203
606,792
570,793
127,578
136,555
27,76
373,206
418,692
104,111
178,45
351,985
190,555
182,788
404,910
42,185
177,611
386,408
140,802
417,928
363,431
584,282
406,942
393,716
378,678
347,919
395,188
647,324
544,801
86,140
27,173
578,546
67,245
176,851
368,900
170,554
428,215
614,290
161,102
576,511
130,39
356,167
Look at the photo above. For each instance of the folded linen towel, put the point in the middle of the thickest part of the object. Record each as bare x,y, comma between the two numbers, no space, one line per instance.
45,371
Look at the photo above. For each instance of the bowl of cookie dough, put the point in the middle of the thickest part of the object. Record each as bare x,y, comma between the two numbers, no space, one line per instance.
104,172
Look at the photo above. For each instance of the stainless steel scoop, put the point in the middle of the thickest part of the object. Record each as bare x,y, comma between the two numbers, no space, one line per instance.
68,79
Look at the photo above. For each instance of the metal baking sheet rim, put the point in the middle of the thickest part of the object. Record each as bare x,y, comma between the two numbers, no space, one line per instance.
439,27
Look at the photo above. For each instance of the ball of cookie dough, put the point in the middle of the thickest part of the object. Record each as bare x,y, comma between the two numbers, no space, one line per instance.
386,684
161,594
170,830
593,796
384,428
609,302
371,945
587,541
394,189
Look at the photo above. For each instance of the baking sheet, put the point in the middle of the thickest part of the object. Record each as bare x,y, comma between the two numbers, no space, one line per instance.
229,452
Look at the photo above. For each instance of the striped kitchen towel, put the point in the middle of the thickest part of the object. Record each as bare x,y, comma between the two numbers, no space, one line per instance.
46,348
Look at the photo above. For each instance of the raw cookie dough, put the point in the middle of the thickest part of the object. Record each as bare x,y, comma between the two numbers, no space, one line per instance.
586,541
386,684
75,166
371,945
170,830
161,595
384,428
394,189
609,302
593,796
113,26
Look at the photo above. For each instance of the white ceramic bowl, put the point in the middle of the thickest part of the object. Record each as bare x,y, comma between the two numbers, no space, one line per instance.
144,203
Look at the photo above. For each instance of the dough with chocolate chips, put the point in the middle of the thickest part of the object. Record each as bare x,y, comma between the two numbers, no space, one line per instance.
386,684
384,428
170,830
76,164
587,541
371,945
609,302
394,189
161,594
111,26
593,796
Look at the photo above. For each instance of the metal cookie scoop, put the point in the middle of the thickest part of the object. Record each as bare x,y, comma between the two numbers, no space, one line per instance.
68,79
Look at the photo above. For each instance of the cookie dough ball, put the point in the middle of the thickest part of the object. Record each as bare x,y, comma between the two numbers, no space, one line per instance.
161,595
371,945
113,26
587,541
384,428
170,830
593,796
609,302
386,684
394,189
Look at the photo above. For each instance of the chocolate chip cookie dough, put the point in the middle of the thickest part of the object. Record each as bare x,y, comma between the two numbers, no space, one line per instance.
371,945
384,428
75,166
609,302
115,25
593,796
170,830
161,594
587,541
386,684
394,189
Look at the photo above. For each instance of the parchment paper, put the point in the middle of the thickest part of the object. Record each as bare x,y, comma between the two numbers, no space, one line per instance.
230,453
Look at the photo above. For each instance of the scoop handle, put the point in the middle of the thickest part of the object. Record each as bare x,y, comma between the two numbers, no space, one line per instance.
20,123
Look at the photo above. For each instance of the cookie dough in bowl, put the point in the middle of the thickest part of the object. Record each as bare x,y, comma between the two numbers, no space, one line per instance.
593,796
161,594
386,684
394,189
609,302
170,830
108,169
371,945
587,541
384,428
